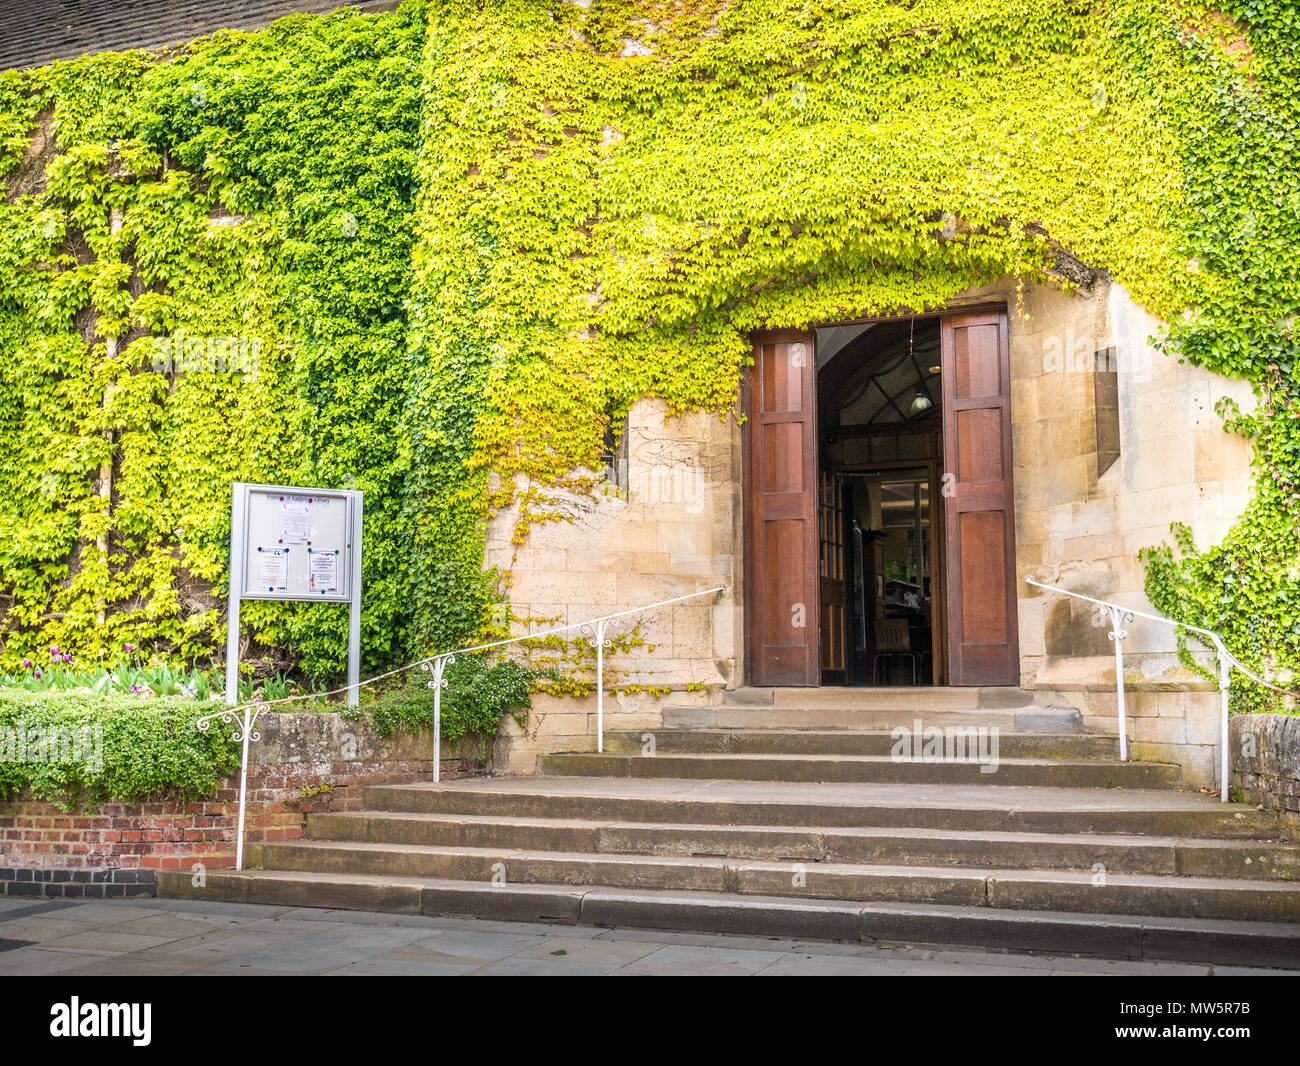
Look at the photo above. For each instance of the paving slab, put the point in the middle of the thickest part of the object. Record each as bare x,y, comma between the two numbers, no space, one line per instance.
701,961
39,962
108,912
513,967
212,907
41,929
474,943
110,940
207,950
792,965
613,950
386,966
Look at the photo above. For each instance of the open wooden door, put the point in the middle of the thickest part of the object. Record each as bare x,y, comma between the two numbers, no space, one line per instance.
979,508
781,570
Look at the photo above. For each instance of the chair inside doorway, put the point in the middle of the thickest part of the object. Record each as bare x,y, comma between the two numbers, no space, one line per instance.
880,504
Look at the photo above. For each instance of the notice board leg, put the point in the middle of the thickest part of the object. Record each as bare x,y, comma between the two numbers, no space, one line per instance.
354,607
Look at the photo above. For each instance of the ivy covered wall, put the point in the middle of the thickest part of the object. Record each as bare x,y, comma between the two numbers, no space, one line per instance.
469,235
206,268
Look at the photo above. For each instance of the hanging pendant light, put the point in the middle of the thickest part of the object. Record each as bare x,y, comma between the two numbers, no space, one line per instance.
921,399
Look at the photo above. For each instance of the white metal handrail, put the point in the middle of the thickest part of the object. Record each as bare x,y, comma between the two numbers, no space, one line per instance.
594,628
1227,663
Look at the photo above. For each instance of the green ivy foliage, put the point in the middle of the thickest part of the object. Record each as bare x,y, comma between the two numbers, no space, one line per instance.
617,195
472,234
475,700
140,749
1231,91
599,226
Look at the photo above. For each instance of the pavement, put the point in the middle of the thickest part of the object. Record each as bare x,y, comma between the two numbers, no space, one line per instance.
165,937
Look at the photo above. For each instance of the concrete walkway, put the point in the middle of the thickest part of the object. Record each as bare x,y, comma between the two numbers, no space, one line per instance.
164,937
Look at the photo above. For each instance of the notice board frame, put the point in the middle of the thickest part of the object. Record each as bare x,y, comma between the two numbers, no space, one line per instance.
349,567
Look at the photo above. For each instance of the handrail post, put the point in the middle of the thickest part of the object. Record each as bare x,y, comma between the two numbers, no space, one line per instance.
243,795
1117,634
600,688
1227,663
246,725
600,642
1225,683
436,666
245,730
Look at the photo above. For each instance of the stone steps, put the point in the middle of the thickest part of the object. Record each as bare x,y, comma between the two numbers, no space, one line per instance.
1223,942
870,697
847,742
818,833
956,807
1255,860
881,708
1061,773
1179,897
1007,720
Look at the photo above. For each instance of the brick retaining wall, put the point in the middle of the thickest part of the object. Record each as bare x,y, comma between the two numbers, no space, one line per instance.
297,755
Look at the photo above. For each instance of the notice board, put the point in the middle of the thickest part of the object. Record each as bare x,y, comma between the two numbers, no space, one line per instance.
298,544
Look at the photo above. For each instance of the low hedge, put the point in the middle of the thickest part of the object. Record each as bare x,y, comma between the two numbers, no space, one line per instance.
84,749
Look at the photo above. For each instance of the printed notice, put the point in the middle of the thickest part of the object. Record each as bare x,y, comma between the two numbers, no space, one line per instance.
272,569
325,571
295,519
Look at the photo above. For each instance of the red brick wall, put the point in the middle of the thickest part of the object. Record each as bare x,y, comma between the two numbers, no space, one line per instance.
175,835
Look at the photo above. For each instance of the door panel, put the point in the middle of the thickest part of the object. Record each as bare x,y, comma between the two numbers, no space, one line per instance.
782,551
979,512
979,446
783,458
780,504
976,376
983,553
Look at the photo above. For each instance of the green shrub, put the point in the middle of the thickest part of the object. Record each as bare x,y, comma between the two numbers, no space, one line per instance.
147,748
474,701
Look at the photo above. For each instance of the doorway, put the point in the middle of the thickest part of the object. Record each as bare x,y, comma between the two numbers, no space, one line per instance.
880,467
879,522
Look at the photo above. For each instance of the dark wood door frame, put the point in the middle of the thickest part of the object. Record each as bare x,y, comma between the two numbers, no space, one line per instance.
779,661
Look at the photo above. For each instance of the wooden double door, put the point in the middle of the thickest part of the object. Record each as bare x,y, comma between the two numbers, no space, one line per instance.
785,625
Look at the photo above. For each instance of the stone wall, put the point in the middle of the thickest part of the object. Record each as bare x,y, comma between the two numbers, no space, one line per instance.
1082,527
1264,763
671,527
303,762
668,527
1083,513
1176,719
